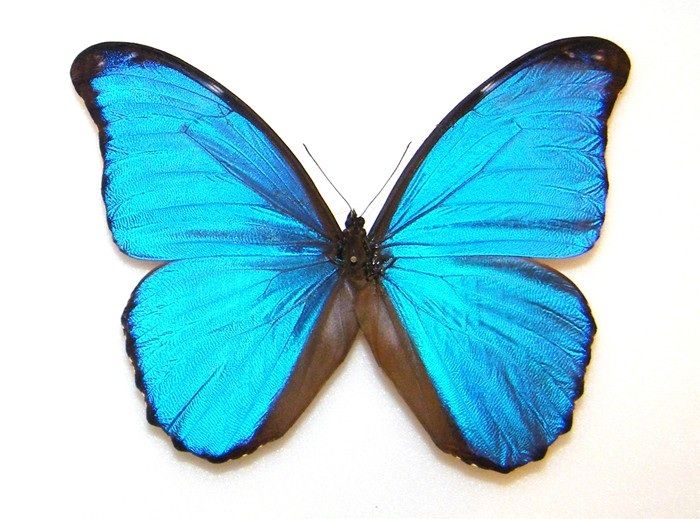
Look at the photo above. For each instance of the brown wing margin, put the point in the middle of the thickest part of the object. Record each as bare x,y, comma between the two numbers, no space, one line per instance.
90,62
395,354
327,347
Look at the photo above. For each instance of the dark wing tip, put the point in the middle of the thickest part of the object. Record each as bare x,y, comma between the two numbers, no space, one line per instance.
588,52
91,61
88,64
597,53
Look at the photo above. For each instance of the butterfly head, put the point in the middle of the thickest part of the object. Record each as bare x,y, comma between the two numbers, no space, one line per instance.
354,222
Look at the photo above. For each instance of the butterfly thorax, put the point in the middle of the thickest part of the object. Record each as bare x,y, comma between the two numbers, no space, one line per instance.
359,259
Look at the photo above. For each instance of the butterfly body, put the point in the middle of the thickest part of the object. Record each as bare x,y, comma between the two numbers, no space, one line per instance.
359,259
261,293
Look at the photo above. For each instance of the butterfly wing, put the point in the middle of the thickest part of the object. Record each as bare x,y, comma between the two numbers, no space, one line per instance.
517,168
189,169
235,335
229,351
490,350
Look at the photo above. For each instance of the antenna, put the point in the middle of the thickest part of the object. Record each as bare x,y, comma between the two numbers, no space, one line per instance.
324,174
388,179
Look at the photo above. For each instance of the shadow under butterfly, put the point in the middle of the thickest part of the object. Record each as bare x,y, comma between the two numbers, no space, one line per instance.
262,293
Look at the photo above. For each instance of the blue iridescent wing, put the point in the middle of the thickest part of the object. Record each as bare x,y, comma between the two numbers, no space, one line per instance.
490,350
189,169
517,168
229,350
233,338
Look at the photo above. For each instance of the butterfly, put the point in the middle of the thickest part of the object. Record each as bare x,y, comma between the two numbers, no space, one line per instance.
261,293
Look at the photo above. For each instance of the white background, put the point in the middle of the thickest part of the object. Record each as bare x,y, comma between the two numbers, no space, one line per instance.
356,83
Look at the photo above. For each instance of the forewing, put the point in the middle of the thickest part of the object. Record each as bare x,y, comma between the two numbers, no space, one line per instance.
228,353
189,169
489,352
517,168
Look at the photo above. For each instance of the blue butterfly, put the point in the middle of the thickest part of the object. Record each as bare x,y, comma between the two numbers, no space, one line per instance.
262,293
